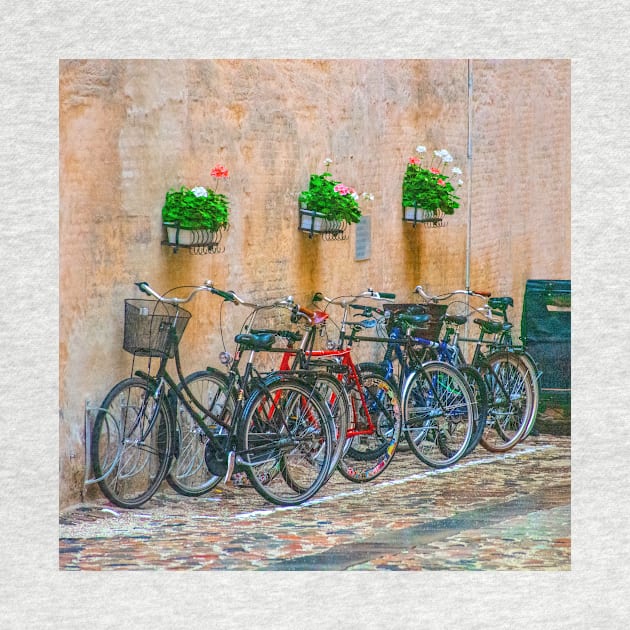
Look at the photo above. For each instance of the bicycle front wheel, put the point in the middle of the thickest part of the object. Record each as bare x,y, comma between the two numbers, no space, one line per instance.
439,412
286,428
374,437
478,386
131,443
534,375
189,474
511,400
335,398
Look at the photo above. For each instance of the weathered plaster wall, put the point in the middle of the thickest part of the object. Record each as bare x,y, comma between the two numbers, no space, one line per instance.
129,130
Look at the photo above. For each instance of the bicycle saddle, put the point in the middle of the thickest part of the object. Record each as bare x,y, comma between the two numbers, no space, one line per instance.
261,341
286,334
492,327
500,302
412,320
458,320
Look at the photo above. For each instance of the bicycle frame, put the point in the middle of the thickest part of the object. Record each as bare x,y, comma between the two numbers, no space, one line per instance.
236,382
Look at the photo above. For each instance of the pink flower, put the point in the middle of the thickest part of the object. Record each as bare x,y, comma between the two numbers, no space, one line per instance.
341,189
414,160
219,171
441,182
435,171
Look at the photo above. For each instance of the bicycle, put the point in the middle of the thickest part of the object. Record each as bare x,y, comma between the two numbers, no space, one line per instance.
368,407
510,387
438,409
281,426
321,376
502,339
420,332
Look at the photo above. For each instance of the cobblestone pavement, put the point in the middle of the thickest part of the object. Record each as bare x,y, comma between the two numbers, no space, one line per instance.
509,511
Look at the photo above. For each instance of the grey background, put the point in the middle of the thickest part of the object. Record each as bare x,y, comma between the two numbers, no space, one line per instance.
33,592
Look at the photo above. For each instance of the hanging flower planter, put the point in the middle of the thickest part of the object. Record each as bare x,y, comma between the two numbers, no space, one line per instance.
316,223
427,192
197,241
328,207
196,218
428,218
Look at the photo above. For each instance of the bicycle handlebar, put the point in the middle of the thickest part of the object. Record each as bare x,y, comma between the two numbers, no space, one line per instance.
438,298
370,293
228,296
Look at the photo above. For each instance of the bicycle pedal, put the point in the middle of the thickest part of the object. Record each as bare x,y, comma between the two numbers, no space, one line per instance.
230,466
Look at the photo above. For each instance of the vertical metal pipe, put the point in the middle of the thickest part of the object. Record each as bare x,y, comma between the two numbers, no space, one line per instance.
469,154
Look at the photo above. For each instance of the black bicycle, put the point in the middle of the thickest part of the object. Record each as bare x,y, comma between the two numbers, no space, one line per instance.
508,372
280,434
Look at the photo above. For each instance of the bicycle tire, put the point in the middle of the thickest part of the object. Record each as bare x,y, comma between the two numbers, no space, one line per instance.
189,474
534,375
480,392
439,413
286,427
335,397
510,400
131,443
366,456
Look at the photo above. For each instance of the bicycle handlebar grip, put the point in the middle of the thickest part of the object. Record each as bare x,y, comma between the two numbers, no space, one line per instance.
317,297
484,293
305,311
387,296
224,294
143,287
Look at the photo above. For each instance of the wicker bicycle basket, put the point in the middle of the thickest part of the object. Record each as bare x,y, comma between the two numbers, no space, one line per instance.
147,323
431,330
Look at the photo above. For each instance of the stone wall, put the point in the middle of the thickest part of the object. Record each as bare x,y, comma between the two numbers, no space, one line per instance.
130,130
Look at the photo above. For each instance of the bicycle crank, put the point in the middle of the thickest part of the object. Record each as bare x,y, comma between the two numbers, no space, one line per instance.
216,459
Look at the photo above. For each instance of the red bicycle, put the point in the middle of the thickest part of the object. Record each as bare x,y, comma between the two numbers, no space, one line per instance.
365,406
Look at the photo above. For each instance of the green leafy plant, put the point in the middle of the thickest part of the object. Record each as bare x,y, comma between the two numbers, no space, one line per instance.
332,199
428,187
199,208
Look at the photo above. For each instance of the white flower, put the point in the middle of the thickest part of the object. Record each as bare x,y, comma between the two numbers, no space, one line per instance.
447,158
327,161
437,153
355,196
199,191
460,182
421,149
457,171
368,196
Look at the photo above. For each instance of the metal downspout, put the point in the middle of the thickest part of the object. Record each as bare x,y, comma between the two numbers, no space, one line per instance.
469,165
469,153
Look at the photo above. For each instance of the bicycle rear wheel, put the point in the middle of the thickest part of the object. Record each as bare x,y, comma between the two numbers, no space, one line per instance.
439,412
189,474
131,443
511,399
286,429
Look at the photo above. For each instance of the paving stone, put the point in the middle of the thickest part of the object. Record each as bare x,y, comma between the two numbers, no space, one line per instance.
489,512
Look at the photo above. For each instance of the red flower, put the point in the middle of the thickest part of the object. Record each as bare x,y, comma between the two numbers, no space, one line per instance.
414,160
435,171
219,171
441,182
